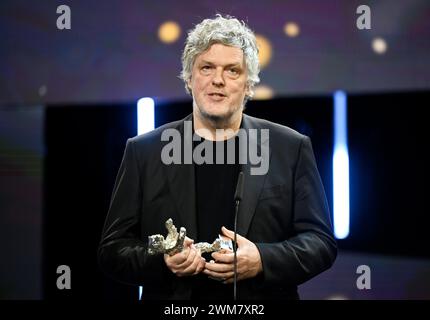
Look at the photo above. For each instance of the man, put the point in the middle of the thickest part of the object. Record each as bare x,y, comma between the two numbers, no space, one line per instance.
284,230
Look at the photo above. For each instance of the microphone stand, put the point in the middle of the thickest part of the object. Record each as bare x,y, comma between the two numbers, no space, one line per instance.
237,197
235,251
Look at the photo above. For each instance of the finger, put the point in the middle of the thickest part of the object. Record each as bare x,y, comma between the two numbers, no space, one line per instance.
223,257
212,274
190,258
227,233
167,260
191,269
224,251
201,266
230,234
188,242
231,279
180,257
173,261
219,267
218,275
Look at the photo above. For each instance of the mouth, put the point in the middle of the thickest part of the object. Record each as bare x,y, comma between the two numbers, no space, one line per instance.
216,96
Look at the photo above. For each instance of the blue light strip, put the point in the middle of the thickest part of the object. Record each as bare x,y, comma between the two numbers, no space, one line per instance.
340,167
145,123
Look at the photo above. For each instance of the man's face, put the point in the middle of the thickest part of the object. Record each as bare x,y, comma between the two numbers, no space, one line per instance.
218,82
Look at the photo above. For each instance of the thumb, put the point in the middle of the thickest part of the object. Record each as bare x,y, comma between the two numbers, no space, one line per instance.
188,242
230,234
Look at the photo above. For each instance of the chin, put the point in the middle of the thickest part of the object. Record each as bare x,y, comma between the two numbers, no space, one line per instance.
215,113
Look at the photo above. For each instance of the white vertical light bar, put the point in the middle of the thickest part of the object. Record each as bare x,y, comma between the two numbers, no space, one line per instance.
145,123
145,115
340,167
140,292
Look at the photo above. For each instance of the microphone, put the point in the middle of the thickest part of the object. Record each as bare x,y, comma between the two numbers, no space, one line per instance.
237,198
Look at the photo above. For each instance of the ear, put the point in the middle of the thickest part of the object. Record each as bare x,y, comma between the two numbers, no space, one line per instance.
189,84
248,91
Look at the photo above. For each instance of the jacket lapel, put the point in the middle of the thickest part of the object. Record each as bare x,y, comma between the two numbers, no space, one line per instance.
182,185
252,183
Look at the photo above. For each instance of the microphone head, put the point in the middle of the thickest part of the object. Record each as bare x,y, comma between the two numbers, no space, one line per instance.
239,188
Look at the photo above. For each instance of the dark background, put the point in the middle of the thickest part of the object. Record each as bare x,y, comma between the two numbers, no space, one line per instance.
387,166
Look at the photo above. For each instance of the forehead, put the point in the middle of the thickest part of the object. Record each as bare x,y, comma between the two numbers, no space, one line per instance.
222,55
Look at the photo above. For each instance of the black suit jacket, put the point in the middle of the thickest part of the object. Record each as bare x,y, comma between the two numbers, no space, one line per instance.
284,212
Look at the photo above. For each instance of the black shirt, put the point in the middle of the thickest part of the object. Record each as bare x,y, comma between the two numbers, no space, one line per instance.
215,188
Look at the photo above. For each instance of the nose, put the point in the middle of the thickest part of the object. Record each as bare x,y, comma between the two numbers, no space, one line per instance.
218,79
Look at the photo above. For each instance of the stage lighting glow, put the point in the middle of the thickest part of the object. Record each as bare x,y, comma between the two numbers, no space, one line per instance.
379,45
340,168
169,32
145,115
265,50
291,29
263,92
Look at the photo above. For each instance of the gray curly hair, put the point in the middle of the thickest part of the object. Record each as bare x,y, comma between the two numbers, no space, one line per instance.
225,30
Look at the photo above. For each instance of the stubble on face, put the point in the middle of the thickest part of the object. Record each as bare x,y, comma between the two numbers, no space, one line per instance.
219,121
219,69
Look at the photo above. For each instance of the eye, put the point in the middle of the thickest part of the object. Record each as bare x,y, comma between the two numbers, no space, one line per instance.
206,69
233,71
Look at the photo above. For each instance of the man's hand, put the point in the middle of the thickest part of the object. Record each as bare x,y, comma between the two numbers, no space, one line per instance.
248,261
186,263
